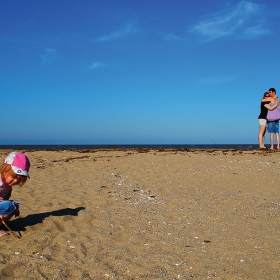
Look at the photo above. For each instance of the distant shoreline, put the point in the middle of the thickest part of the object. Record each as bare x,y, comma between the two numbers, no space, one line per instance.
146,147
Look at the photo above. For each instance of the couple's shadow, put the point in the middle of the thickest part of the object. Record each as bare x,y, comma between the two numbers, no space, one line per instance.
19,224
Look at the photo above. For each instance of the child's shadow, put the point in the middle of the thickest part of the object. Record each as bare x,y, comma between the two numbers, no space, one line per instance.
19,224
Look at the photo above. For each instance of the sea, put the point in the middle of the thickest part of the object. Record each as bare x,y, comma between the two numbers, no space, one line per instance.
125,147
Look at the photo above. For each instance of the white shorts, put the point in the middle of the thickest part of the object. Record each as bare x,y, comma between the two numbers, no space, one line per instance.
262,122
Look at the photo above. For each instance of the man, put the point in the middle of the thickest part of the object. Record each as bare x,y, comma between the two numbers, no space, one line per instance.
272,93
273,126
265,107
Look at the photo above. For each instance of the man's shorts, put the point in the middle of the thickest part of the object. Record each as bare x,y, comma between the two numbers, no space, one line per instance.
8,206
273,127
262,122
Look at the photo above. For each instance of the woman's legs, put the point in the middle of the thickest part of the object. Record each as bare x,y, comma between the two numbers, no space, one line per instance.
261,136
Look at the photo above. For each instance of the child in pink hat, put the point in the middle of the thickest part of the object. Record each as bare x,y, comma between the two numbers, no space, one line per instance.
14,171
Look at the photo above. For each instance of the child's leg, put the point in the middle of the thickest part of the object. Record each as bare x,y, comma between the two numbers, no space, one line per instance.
3,233
8,217
8,209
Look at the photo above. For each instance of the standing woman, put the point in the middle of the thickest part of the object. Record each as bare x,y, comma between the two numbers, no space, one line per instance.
262,118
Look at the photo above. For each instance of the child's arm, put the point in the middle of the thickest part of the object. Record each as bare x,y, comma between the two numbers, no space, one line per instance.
17,213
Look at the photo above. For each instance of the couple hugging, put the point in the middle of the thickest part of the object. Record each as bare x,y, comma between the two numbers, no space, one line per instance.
269,118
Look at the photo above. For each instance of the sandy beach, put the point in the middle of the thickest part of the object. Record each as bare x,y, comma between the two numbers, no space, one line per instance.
146,214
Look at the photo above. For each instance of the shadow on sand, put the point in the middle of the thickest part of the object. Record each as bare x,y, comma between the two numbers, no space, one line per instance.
19,224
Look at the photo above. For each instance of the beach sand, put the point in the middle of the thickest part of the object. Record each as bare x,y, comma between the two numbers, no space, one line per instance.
146,214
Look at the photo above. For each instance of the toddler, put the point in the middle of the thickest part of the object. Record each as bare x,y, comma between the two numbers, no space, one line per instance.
14,171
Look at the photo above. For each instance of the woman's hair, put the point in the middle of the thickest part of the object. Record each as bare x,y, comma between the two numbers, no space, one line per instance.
7,169
265,94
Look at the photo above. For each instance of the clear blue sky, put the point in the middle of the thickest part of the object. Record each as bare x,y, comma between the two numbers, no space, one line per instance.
136,71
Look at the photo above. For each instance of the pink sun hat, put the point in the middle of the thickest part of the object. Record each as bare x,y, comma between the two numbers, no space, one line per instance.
19,163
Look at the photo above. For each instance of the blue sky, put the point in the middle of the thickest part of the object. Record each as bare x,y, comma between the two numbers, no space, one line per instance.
136,72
